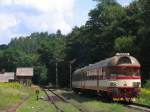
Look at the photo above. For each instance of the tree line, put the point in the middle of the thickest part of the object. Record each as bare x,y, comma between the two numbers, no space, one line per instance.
110,28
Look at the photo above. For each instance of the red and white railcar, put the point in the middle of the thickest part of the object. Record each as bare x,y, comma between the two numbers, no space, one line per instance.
116,77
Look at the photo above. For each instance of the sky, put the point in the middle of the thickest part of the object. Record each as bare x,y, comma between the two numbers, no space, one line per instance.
23,17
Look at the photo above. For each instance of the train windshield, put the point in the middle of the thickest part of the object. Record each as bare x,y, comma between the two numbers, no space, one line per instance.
125,71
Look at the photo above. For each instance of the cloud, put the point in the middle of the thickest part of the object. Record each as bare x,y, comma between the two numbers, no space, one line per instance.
125,2
43,5
51,23
7,21
19,17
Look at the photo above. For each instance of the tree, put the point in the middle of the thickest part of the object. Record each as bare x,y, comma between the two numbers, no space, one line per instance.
40,75
124,44
110,28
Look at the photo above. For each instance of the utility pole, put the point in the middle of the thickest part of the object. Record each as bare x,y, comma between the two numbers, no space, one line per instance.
57,61
70,64
56,74
70,75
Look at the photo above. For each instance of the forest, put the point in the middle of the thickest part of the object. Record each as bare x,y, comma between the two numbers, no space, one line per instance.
110,28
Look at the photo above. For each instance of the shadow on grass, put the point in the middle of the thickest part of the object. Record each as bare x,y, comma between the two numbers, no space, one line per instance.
82,97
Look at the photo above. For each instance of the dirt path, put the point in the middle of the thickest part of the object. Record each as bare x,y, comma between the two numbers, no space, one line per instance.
13,109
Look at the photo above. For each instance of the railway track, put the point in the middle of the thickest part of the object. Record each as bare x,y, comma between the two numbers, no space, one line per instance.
56,96
52,100
141,107
135,106
60,97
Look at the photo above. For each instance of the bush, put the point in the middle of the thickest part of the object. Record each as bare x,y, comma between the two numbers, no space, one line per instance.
147,84
12,85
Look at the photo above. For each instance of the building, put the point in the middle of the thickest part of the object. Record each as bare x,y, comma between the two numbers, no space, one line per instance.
24,75
7,77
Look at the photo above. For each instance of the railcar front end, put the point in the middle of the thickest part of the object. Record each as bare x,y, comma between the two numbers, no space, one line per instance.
115,77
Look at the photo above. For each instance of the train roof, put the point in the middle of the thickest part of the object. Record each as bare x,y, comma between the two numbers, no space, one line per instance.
122,59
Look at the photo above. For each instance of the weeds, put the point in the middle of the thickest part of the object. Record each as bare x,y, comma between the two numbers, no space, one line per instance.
11,85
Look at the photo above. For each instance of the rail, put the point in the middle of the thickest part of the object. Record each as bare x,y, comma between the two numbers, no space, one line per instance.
77,106
52,101
137,106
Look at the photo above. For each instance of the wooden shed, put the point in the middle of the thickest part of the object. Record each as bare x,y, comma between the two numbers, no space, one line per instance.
7,77
24,75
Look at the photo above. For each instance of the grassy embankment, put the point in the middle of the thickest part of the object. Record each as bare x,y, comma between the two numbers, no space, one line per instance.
144,94
97,105
144,97
93,105
12,94
33,105
42,105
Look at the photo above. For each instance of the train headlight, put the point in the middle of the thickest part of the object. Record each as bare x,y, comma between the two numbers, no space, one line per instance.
113,84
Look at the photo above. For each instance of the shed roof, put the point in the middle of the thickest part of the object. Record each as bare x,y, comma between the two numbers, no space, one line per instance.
24,71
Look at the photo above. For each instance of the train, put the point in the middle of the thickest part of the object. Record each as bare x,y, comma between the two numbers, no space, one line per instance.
115,77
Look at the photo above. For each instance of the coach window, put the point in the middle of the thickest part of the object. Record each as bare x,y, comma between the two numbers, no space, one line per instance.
135,71
83,75
79,76
107,72
86,75
124,60
91,77
100,72
103,72
125,71
95,77
88,72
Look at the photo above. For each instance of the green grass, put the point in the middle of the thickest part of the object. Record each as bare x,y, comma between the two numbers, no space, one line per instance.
147,84
10,95
104,107
13,93
33,105
93,105
67,107
11,85
144,97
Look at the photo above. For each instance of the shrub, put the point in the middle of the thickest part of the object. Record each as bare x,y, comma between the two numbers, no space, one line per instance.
147,84
12,85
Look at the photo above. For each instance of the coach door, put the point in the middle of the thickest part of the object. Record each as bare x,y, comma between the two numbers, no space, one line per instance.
99,75
84,79
97,79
